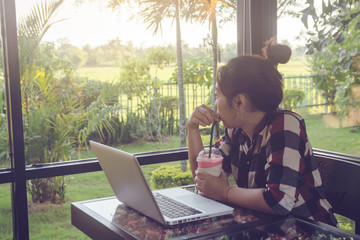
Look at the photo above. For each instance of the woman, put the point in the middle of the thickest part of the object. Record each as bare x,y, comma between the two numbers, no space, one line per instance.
266,149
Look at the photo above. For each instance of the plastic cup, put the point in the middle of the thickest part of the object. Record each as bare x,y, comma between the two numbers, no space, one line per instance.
212,165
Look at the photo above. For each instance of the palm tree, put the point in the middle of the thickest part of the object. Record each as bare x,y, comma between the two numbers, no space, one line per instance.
153,13
56,121
31,31
206,10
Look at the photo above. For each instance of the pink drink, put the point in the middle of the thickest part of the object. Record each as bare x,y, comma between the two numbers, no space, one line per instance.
212,165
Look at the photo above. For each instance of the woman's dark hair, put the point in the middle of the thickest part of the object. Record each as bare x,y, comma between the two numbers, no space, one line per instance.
256,77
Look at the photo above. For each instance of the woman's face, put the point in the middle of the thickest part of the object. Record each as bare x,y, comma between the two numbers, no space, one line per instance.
226,112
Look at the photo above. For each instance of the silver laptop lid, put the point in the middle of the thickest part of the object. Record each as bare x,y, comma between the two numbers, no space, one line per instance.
127,180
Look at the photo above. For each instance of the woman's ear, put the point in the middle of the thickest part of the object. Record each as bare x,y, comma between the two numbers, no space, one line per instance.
239,101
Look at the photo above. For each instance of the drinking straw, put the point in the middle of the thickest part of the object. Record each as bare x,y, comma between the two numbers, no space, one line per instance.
211,137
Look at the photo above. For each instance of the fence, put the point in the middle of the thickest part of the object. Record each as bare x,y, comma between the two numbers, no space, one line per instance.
198,94
313,100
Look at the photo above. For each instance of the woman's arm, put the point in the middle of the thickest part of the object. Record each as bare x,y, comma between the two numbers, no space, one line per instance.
218,188
202,116
251,198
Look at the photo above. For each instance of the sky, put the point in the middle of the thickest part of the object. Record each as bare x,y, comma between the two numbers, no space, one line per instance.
94,24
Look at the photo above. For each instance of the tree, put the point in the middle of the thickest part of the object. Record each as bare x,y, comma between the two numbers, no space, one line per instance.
182,104
206,10
55,121
67,51
36,84
328,23
197,72
157,57
136,81
288,7
334,45
153,12
285,8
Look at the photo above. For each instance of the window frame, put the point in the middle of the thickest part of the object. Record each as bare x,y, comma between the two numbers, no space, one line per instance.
14,116
18,173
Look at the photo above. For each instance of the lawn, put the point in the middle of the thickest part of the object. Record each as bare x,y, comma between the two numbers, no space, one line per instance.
334,139
296,67
109,74
106,74
49,221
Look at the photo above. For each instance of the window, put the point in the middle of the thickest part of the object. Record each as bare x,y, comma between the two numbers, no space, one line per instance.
61,78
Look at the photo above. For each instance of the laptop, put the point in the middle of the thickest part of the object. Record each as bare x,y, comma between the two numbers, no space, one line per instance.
131,188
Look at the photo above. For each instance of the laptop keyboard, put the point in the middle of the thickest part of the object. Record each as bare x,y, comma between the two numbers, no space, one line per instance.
172,208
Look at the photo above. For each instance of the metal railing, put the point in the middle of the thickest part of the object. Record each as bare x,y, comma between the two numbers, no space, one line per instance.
92,165
196,95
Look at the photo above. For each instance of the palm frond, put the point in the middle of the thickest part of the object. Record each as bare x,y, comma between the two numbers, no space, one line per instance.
203,10
154,11
32,28
98,114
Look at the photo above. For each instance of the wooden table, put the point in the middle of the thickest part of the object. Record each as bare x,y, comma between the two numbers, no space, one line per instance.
107,218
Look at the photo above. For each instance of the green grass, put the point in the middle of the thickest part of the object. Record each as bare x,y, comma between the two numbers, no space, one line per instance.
165,73
49,221
294,67
108,74
334,139
5,212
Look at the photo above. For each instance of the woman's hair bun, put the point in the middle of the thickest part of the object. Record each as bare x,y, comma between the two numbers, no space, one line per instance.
276,53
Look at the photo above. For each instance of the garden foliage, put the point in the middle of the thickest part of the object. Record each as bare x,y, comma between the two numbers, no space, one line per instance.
292,98
62,112
335,49
197,70
167,176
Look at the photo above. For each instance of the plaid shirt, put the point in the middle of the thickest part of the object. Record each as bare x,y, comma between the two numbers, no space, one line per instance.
280,160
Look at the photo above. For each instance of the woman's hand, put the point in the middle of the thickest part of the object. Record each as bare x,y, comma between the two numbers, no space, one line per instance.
212,187
202,116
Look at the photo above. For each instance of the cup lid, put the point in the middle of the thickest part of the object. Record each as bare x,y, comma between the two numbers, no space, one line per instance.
214,151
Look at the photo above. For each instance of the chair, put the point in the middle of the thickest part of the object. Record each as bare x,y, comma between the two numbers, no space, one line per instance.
341,182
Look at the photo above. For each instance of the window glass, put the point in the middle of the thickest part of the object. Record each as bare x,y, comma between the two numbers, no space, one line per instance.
45,211
5,212
4,159
50,218
81,57
6,228
306,86
86,74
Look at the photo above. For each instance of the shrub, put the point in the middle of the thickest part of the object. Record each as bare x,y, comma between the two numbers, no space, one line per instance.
335,66
168,176
292,97
91,90
169,106
48,189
